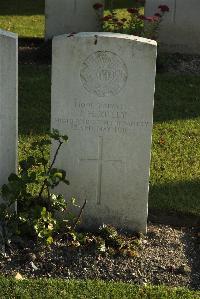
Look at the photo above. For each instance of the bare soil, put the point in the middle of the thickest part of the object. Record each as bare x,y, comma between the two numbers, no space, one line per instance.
166,255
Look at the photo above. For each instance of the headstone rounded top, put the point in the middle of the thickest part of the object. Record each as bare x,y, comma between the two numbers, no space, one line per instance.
8,34
103,73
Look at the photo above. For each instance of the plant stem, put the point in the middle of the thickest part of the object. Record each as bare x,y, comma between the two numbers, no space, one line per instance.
55,156
79,215
50,167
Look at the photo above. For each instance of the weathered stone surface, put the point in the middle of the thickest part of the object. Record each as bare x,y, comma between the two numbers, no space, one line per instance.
102,97
66,16
180,30
8,104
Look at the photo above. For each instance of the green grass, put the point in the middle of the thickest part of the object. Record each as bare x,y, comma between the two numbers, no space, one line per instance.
34,98
26,17
57,289
175,171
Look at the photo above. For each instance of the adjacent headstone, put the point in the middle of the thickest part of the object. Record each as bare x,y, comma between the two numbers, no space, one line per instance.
179,30
66,16
8,104
102,98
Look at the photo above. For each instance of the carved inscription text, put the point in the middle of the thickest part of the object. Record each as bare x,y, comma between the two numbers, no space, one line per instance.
101,118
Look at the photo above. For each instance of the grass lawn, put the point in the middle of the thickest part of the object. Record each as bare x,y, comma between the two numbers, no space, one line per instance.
26,17
57,289
175,171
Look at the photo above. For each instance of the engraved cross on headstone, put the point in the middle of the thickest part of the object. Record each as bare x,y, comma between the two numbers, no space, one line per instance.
1,124
75,6
100,162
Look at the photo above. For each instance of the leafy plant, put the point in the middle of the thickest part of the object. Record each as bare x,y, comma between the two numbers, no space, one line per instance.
135,24
36,214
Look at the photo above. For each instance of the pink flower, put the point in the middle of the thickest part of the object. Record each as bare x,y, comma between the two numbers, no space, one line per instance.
163,8
141,17
152,19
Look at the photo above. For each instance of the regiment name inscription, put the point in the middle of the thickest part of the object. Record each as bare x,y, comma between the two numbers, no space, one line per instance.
101,118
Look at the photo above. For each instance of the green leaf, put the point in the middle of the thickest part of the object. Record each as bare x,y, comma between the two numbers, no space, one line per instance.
31,161
101,246
49,240
65,138
66,182
23,164
13,177
43,212
58,175
33,176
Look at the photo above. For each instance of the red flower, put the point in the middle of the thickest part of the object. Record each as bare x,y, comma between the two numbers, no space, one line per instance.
106,18
97,6
132,10
152,19
141,17
163,8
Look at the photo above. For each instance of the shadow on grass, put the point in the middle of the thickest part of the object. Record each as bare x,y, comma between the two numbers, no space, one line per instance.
177,97
35,51
34,99
175,203
22,7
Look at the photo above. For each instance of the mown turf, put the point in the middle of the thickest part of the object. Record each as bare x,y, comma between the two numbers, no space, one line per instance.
26,17
57,289
175,171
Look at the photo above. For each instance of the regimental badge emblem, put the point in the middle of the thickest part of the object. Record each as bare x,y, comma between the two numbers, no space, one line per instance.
104,74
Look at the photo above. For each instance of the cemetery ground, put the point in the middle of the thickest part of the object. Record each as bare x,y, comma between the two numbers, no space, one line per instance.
167,254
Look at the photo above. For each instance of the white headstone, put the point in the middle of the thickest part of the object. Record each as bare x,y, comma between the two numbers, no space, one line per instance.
66,16
8,104
179,30
102,98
